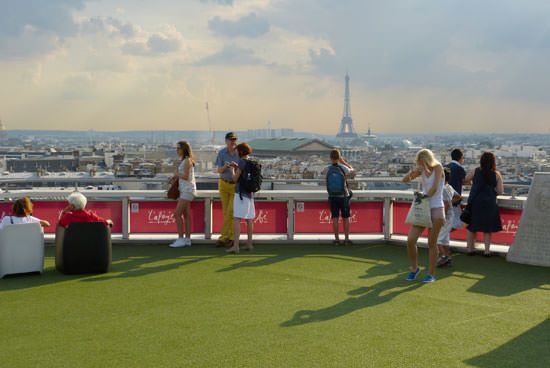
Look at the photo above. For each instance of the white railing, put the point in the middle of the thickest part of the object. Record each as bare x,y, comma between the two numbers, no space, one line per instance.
388,198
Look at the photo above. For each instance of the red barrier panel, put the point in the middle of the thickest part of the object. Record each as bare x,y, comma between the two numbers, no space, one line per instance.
510,223
50,210
154,217
314,217
271,218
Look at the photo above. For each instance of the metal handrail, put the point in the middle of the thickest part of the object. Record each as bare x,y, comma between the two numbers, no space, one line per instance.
388,197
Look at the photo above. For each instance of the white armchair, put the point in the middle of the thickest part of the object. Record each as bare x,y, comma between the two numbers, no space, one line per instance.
21,249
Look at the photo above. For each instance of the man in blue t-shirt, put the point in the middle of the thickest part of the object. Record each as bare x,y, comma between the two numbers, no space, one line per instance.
227,158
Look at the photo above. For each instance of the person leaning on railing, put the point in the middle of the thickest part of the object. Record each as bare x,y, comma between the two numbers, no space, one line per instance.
76,212
487,184
22,214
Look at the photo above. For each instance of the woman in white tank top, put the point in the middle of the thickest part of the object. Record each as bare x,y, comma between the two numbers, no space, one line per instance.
436,200
431,176
187,188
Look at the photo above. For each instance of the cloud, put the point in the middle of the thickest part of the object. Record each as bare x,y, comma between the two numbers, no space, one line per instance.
169,40
249,25
232,55
33,27
493,49
109,26
220,2
79,86
161,43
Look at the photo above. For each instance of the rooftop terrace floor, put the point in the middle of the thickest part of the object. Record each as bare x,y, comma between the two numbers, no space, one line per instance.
279,306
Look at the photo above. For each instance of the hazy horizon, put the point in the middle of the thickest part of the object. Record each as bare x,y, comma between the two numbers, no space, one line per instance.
415,66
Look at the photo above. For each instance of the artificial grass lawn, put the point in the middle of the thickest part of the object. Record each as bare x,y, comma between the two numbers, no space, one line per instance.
279,306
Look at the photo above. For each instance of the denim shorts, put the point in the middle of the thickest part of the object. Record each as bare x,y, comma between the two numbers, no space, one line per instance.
339,206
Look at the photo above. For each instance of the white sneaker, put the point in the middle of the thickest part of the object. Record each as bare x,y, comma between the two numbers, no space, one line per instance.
187,242
180,242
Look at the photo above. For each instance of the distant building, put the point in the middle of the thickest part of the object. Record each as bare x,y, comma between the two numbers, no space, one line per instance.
294,147
270,133
52,164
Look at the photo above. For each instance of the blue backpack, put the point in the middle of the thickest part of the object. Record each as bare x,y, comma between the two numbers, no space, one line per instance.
336,181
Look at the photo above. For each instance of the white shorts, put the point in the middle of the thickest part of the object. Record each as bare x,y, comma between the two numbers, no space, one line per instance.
187,196
243,208
444,236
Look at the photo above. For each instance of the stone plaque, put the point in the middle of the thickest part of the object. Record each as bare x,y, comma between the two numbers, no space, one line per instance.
532,242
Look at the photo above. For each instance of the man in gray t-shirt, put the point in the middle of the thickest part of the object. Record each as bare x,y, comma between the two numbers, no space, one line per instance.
226,157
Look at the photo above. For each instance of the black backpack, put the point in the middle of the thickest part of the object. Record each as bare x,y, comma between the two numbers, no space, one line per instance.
251,177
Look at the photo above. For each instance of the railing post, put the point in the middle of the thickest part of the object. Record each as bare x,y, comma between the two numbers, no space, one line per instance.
388,218
290,219
208,218
125,218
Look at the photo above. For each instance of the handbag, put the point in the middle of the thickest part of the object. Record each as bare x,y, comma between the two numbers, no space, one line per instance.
466,215
420,212
173,189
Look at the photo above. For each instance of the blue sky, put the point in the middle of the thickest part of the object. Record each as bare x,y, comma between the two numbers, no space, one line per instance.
415,65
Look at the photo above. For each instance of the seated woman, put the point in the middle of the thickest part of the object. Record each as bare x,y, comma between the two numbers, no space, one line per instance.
76,212
22,214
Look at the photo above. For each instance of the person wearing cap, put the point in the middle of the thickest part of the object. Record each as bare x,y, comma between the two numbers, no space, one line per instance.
227,158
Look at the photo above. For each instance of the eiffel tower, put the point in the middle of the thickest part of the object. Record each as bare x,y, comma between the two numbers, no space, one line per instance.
346,125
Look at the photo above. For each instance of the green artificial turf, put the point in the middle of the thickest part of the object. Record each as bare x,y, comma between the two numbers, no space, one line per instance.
279,306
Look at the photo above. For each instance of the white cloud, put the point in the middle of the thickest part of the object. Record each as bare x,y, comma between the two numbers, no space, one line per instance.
231,55
29,28
250,25
221,2
166,41
109,26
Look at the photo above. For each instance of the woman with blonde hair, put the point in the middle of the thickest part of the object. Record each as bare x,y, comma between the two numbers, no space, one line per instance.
187,186
431,174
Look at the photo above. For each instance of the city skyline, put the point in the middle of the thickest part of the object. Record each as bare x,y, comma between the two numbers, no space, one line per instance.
126,65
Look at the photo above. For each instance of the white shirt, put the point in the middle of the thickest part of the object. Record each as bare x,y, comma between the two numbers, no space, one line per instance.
8,220
436,201
189,185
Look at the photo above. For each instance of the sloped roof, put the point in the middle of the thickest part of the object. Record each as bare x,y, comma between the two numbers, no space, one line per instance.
283,144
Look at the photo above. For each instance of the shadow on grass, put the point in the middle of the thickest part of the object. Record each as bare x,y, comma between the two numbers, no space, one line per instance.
530,349
493,276
127,261
360,298
138,268
272,255
499,277
266,261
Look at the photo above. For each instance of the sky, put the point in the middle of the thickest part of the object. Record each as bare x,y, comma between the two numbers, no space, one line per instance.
415,66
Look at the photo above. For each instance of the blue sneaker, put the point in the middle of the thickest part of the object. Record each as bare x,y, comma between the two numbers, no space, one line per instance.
428,278
412,275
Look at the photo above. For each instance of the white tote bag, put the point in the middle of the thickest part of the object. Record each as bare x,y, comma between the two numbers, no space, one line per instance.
420,213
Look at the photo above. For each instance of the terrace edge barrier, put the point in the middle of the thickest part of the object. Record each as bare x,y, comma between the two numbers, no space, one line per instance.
292,197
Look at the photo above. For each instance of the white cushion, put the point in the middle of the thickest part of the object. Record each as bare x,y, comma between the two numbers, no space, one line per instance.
21,249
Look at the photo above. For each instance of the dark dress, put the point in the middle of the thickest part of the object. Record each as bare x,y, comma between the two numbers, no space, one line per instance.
483,202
